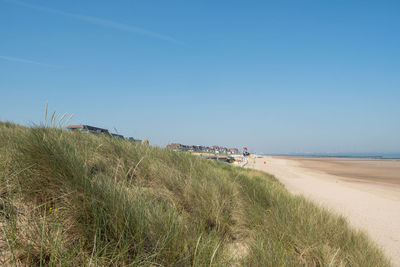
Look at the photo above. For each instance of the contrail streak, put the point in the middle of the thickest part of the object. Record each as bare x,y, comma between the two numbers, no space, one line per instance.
23,60
100,21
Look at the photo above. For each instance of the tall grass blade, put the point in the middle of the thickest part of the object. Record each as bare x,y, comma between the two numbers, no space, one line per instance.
53,118
45,112
61,119
69,119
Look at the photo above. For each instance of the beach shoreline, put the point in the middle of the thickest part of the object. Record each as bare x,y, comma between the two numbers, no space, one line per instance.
365,191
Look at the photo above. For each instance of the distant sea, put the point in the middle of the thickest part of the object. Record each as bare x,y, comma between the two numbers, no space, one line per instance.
344,155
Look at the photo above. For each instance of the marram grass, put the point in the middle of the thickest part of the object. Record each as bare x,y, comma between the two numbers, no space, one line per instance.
72,199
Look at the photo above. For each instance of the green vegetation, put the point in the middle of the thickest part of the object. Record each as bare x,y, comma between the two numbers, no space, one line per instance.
86,200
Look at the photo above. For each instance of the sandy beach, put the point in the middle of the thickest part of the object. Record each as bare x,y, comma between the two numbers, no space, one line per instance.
365,191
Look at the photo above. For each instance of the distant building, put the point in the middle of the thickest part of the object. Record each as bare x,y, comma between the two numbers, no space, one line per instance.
196,148
87,129
96,130
233,151
175,146
117,136
134,140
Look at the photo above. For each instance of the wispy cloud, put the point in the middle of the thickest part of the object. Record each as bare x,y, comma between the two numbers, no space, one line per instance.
99,21
24,60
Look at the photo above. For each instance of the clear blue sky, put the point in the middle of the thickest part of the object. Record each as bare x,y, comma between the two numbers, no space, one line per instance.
275,76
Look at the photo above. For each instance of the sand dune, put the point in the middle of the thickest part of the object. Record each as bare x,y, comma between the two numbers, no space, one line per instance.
365,191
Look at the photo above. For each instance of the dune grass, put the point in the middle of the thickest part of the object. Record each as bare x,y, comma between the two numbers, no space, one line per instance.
85,200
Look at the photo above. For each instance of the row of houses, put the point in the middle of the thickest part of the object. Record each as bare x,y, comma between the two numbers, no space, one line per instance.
209,149
96,130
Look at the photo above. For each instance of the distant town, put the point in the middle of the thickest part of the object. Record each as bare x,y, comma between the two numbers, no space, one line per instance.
83,128
204,149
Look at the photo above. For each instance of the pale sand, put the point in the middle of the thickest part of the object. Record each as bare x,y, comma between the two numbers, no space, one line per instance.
366,192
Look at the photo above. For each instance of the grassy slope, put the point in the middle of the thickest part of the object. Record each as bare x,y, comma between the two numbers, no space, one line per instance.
76,199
